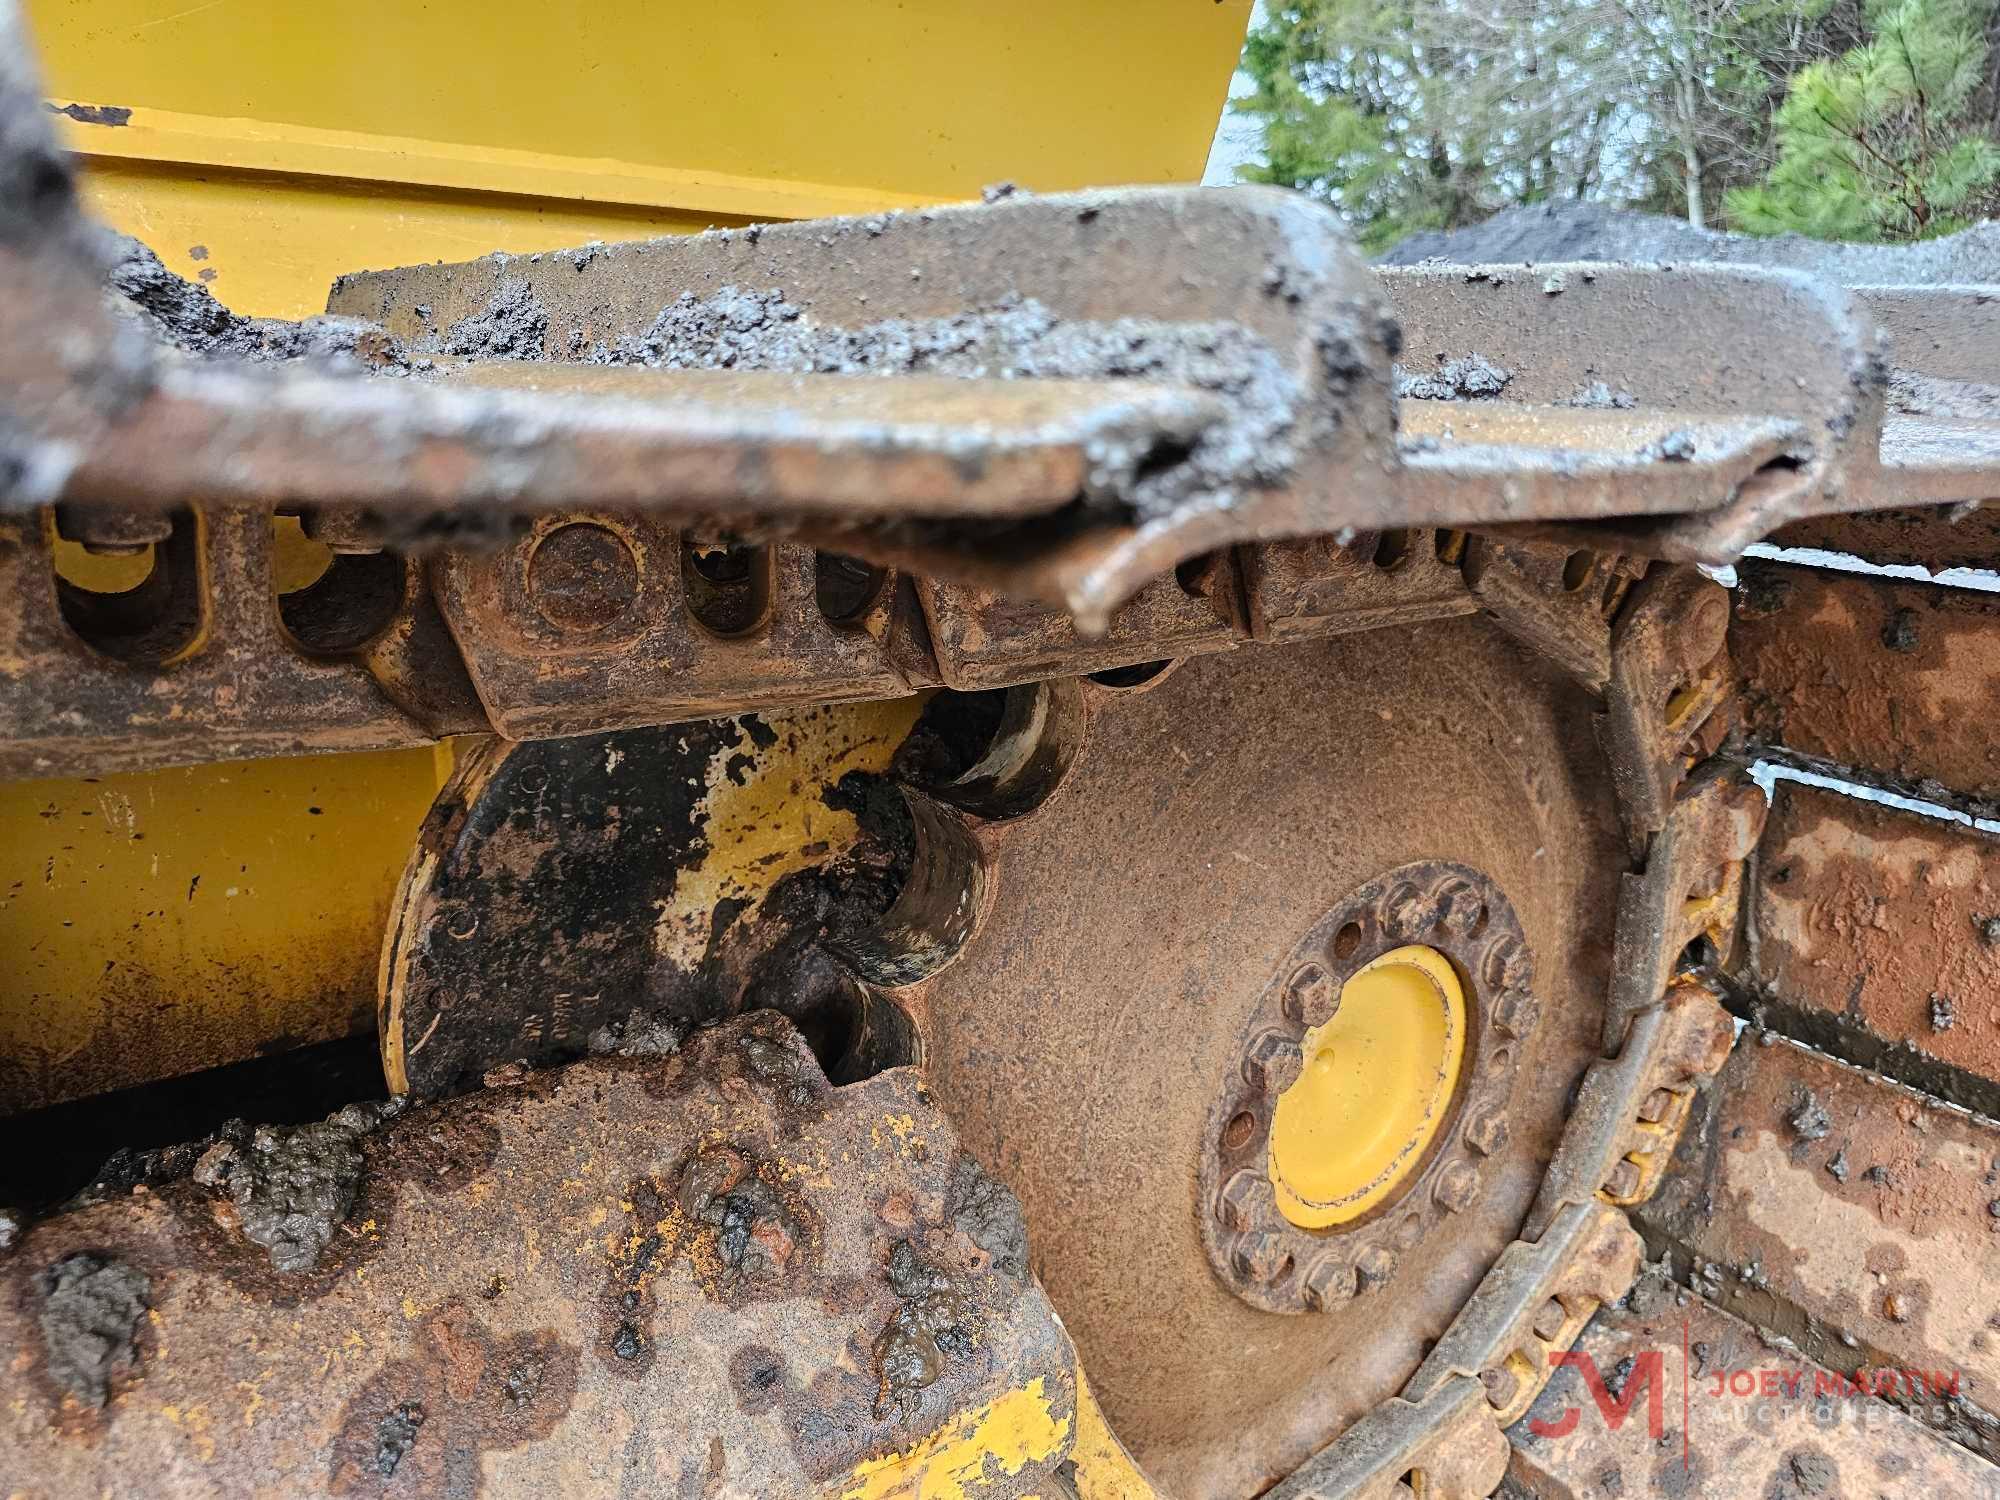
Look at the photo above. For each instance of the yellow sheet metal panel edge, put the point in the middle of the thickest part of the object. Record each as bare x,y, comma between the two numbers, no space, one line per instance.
924,98
165,922
270,246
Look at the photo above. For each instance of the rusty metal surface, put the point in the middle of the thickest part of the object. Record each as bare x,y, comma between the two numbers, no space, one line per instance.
1790,1441
984,640
1554,600
1447,1441
707,1272
1935,537
1650,336
1621,1131
1586,1257
1892,679
1846,1214
1257,1253
614,638
1875,940
1082,1038
1690,887
1374,580
1669,678
1612,388
81,681
1262,266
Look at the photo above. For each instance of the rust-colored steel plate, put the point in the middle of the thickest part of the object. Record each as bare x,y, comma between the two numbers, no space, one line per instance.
1741,1417
1934,537
1249,304
706,1273
1898,679
1597,357
1377,579
1846,1214
239,684
984,640
1090,1034
1878,938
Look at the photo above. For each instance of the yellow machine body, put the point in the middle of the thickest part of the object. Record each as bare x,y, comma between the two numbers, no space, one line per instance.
264,154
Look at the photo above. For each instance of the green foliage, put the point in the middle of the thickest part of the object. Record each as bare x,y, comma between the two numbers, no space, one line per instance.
1875,144
1419,116
1839,118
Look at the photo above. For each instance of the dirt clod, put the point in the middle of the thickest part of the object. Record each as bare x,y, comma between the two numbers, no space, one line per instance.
636,1035
293,1185
186,316
1808,1117
512,325
738,328
396,1436
1595,395
91,1309
928,1329
1677,447
1473,377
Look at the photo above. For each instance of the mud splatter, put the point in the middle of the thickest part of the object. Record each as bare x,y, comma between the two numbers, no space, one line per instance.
91,1309
1473,377
990,1216
738,328
929,1329
512,325
636,1034
292,1185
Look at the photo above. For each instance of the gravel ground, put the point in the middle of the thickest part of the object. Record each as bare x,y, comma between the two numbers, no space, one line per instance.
1591,231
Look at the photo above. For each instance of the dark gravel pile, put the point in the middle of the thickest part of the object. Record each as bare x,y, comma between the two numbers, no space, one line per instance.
1593,231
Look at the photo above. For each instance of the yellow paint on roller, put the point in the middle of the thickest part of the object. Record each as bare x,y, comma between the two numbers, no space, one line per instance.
154,919
970,1453
766,816
1376,1084
1104,1470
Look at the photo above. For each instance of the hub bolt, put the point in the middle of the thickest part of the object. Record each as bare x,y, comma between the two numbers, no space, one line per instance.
1273,1062
1457,1187
582,575
1310,998
1486,1132
1262,1256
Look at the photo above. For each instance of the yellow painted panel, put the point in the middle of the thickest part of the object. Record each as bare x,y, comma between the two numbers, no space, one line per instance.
205,141
159,923
270,247
934,97
974,1453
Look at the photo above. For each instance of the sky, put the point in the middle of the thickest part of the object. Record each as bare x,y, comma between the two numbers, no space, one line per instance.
1236,136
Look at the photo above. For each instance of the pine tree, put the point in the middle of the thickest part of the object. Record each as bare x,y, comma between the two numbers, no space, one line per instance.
1880,143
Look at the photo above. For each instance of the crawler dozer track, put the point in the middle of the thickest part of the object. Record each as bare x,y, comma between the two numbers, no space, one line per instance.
1091,852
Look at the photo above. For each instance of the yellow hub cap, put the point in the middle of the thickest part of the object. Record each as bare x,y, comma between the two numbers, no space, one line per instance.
1377,1081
